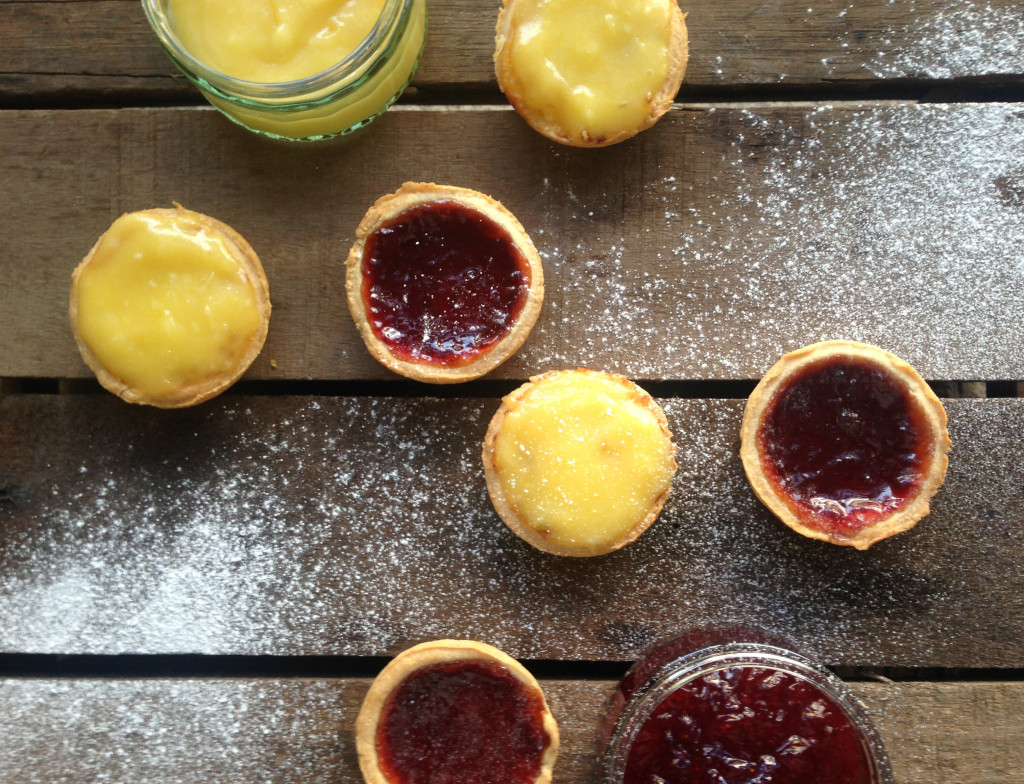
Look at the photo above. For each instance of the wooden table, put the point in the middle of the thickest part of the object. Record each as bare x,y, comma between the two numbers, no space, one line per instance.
205,594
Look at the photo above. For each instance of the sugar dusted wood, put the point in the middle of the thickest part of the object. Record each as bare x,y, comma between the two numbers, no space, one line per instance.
358,526
301,731
105,49
705,248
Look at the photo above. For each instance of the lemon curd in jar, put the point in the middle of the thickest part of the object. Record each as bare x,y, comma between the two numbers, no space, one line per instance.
273,41
292,69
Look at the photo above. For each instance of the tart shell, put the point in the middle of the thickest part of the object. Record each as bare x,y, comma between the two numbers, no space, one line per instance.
508,513
660,102
413,194
437,652
901,374
204,389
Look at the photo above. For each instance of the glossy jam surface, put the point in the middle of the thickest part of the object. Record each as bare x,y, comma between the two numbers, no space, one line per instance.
164,303
582,458
274,40
845,443
589,67
747,725
442,283
462,722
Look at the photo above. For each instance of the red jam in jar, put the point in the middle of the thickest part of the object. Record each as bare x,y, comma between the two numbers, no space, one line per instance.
442,283
740,713
844,442
462,722
750,725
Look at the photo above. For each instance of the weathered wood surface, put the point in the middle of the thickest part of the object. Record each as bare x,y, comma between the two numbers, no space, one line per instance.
104,49
301,732
703,249
357,526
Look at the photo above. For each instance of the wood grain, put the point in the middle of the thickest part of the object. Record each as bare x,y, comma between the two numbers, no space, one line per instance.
300,732
357,526
703,249
104,49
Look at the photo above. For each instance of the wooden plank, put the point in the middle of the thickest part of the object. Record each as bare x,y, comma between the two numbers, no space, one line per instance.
703,249
302,731
105,47
358,526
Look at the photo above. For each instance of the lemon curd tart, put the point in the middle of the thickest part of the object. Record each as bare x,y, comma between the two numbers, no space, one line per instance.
590,73
845,442
579,462
170,307
294,70
455,711
444,284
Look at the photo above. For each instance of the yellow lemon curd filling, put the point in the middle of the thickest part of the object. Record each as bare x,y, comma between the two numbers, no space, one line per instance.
164,303
590,67
275,41
582,460
281,41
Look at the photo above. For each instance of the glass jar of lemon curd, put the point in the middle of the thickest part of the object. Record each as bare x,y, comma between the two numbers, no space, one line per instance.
299,70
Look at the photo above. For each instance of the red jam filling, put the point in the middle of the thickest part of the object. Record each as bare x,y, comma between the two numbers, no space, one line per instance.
461,722
442,283
845,443
747,725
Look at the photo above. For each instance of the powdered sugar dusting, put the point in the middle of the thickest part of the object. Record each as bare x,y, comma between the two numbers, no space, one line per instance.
961,38
226,731
896,225
359,526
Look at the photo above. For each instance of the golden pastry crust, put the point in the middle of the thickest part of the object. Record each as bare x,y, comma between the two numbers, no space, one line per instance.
933,415
438,652
202,389
413,194
660,102
516,521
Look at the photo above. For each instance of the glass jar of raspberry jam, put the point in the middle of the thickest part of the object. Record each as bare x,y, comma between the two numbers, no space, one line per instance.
737,713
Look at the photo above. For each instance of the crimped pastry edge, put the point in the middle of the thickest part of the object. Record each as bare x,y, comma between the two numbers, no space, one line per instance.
192,394
435,652
661,102
508,513
412,194
900,372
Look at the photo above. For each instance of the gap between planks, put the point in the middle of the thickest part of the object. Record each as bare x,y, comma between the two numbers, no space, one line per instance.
486,388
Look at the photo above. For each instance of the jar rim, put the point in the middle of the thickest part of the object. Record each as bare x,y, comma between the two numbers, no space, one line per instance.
686,668
363,54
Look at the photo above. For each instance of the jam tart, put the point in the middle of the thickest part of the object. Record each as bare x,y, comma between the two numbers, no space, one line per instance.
455,711
578,462
170,307
845,442
590,73
444,284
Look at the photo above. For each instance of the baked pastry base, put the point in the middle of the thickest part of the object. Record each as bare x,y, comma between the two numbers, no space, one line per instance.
437,652
200,389
511,516
413,194
660,101
902,375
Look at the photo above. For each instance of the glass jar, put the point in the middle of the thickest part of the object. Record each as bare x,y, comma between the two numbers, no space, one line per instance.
684,673
335,101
